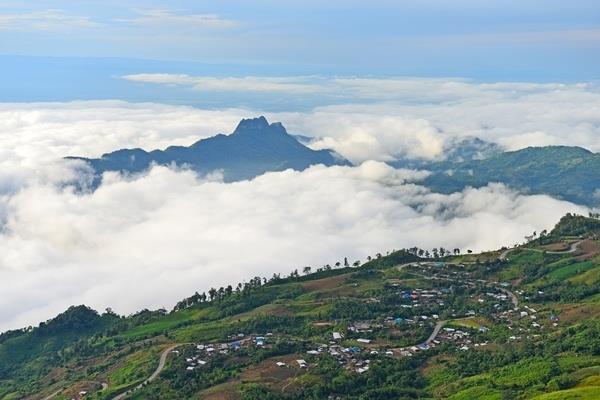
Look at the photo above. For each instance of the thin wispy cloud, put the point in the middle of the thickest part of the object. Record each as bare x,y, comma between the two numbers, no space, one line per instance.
167,18
47,20
290,85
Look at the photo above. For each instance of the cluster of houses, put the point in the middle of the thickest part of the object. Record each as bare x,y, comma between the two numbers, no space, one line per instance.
448,272
353,358
524,322
204,352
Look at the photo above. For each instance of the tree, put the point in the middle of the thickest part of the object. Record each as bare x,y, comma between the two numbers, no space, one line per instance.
109,311
356,264
346,262
212,293
306,270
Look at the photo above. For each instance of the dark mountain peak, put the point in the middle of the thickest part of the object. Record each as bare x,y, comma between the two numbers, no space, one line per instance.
252,125
255,147
259,126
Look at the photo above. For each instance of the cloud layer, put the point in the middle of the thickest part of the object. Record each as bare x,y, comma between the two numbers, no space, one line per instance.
171,233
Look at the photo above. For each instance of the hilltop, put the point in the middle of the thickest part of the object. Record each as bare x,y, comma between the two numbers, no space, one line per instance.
567,173
519,323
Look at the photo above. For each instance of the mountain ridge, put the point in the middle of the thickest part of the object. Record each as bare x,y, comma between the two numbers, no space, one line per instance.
253,148
257,146
564,172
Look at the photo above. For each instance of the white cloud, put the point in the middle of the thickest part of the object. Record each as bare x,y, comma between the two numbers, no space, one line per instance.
173,234
361,136
294,85
421,113
383,119
166,18
47,20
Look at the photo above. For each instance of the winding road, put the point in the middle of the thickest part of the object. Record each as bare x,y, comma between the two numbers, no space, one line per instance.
572,249
161,366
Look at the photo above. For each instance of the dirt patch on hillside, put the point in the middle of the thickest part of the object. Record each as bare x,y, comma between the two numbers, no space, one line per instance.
325,283
323,324
589,248
576,312
273,376
227,391
558,246
269,309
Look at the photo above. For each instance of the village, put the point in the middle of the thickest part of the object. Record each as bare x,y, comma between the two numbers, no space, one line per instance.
357,344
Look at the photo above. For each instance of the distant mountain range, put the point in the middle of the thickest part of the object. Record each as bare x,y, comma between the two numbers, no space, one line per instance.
255,147
567,173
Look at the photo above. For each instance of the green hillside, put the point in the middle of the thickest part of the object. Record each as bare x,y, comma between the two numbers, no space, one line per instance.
568,173
522,323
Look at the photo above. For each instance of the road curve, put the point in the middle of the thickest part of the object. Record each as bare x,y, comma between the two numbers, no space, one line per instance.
436,331
572,249
161,366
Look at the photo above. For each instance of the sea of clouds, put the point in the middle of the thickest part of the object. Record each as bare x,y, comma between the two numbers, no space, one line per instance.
149,240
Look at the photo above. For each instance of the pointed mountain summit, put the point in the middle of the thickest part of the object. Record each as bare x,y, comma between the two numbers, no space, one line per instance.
255,147
252,125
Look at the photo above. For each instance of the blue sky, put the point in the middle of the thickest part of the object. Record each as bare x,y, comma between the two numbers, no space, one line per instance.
50,49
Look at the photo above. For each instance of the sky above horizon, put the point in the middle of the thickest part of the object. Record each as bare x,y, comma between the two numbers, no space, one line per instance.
64,50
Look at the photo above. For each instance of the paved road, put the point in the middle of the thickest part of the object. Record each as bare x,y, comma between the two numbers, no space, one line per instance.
401,267
161,366
52,395
572,249
436,331
513,297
